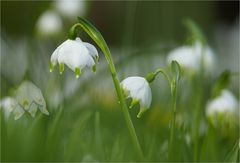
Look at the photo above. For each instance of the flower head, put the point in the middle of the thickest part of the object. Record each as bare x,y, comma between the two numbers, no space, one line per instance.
70,9
190,58
8,104
139,90
29,98
76,55
49,23
224,106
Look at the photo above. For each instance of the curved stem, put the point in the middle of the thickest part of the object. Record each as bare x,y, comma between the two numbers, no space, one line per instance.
97,37
164,74
173,87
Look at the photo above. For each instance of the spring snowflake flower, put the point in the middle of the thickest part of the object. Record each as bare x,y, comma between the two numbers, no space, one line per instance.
49,23
70,9
76,55
224,106
29,98
139,90
189,58
8,104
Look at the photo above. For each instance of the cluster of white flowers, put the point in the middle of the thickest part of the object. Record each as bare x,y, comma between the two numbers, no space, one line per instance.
28,98
192,57
76,55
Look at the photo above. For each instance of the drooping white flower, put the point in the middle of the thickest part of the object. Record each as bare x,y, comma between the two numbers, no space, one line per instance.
191,58
71,8
225,106
186,57
8,104
76,55
49,23
29,98
139,90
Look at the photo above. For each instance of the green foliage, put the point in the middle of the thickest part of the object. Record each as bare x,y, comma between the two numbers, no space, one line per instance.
176,70
221,83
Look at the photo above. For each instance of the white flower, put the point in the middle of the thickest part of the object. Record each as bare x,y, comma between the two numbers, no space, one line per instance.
8,104
29,98
190,58
225,105
76,55
139,90
70,8
49,23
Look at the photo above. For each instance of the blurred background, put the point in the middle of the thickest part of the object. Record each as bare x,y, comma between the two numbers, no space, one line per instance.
140,34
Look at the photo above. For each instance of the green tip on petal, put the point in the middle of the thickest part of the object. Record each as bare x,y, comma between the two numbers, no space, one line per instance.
61,68
77,72
51,67
133,103
142,110
94,68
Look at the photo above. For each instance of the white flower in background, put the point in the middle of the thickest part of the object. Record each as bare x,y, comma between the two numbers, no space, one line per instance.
76,55
29,98
71,8
186,57
49,23
207,55
190,58
224,106
139,90
8,104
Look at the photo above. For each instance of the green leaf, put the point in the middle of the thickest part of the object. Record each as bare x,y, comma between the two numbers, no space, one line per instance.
93,33
176,70
221,83
195,31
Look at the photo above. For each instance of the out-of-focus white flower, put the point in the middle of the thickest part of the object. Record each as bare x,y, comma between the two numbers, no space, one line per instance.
139,90
71,8
224,106
8,104
49,23
190,58
186,57
29,98
13,57
225,103
76,55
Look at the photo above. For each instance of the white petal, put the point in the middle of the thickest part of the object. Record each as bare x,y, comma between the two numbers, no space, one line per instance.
18,112
33,109
54,56
91,49
73,54
138,88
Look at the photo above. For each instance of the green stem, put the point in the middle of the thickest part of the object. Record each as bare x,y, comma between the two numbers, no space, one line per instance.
97,37
172,131
173,86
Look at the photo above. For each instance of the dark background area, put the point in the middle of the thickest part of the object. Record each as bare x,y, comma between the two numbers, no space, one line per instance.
139,23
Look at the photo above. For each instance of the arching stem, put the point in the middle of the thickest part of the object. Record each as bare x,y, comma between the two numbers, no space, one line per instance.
99,40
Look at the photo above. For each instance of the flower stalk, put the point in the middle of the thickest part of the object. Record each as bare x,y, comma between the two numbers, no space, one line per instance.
173,82
99,40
